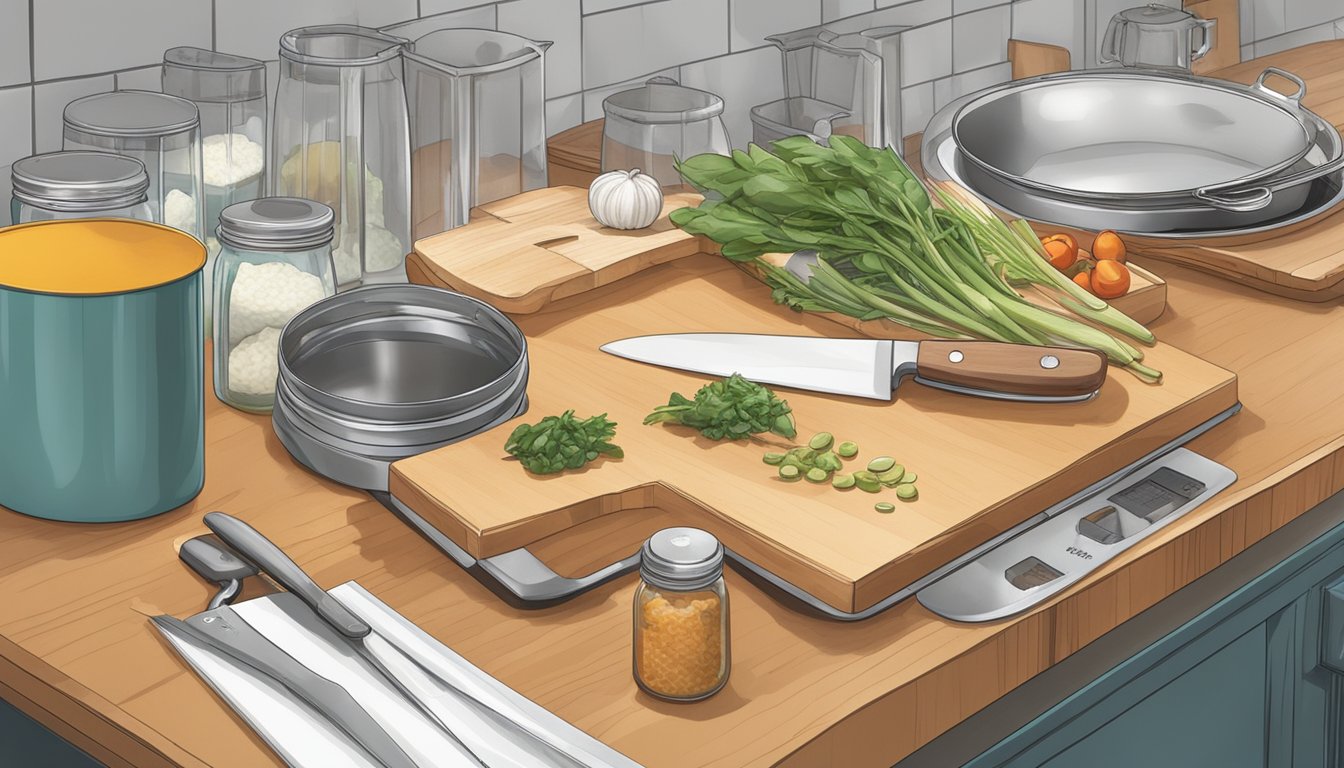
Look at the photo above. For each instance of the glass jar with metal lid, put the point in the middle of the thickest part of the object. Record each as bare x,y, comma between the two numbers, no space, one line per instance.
681,641
159,130
230,93
274,261
79,185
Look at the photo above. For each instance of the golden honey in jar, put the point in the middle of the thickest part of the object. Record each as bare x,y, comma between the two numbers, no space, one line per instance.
681,646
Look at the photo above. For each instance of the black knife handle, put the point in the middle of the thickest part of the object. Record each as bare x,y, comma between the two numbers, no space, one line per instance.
269,558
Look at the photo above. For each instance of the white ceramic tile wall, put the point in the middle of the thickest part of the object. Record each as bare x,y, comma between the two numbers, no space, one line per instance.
77,47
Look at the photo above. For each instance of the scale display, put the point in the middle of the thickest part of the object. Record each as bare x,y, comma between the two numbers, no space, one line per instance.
1158,494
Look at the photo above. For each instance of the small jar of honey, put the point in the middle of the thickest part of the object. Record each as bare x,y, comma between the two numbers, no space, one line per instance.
681,644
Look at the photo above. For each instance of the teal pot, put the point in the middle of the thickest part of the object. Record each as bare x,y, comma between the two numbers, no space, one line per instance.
101,369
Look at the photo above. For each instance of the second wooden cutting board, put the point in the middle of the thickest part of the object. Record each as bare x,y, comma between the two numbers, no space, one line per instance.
983,465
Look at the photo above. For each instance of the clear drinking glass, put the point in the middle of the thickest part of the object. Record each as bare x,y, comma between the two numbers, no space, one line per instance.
341,138
274,261
647,127
478,122
159,130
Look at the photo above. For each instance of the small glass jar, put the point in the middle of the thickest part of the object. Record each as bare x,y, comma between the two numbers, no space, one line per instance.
79,185
681,645
274,261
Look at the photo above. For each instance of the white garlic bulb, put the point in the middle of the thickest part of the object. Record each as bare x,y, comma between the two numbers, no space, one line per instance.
625,199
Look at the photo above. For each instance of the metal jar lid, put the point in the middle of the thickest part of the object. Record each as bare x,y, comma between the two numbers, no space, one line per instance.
276,224
1155,13
79,181
682,559
209,76
132,114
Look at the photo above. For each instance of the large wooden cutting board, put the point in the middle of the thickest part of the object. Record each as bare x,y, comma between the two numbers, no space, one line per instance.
983,465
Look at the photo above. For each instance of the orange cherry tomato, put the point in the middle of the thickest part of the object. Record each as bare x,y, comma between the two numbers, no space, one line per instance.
1108,247
1061,255
1110,279
1084,281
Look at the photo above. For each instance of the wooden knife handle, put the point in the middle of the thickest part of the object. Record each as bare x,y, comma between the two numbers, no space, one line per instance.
1011,370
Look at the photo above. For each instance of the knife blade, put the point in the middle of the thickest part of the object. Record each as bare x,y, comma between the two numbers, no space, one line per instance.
873,368
252,545
225,631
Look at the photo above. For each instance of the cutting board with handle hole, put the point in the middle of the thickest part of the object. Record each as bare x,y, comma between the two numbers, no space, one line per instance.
983,465
522,253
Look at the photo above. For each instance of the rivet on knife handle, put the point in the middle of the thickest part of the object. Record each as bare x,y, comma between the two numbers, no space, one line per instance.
1012,369
252,545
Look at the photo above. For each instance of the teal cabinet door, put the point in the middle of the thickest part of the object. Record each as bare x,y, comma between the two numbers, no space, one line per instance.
1256,681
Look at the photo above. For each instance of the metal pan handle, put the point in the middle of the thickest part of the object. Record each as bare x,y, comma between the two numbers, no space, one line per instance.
1205,27
1295,99
1233,199
1228,195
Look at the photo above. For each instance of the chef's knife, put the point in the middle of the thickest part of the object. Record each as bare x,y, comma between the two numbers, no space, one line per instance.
384,656
874,367
224,630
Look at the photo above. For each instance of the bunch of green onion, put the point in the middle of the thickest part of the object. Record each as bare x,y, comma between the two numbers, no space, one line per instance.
886,251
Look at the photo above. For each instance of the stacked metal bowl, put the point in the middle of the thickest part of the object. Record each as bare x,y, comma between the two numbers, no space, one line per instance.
377,374
1149,152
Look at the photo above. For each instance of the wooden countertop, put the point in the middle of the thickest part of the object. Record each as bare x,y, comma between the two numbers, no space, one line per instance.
78,653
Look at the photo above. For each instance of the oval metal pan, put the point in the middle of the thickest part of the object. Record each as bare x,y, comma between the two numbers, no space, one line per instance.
1143,137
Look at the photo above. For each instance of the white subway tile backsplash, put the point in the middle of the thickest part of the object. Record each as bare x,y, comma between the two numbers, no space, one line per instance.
598,6
378,13
1270,17
563,113
432,7
483,17
142,79
750,21
980,39
1054,22
916,108
913,13
49,106
16,126
6,193
592,98
559,22
1301,14
942,93
628,42
926,53
743,80
1247,52
76,37
14,65
966,6
1297,38
838,9
253,27
969,82
1246,17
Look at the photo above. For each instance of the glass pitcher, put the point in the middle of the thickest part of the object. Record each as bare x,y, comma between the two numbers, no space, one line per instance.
341,138
1156,36
478,122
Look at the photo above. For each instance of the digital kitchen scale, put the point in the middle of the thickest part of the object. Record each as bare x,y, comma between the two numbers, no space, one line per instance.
1074,541
1007,574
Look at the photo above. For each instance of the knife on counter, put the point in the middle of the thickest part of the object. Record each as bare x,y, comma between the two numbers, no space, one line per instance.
401,671
873,368
224,630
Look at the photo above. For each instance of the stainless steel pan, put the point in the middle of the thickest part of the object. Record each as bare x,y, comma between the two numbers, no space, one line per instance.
1135,139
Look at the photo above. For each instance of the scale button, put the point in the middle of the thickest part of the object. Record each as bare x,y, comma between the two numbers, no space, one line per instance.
955,356
1049,362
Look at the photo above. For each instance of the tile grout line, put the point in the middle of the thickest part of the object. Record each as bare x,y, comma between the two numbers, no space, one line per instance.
214,26
32,79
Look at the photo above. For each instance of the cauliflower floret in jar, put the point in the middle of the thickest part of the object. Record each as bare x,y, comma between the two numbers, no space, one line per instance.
268,295
254,363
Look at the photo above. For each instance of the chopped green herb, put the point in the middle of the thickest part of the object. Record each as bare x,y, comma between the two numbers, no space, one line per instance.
842,482
884,506
731,409
820,441
558,443
848,450
817,475
773,459
790,472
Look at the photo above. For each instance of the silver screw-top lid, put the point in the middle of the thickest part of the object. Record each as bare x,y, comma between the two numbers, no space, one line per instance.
79,181
682,559
276,224
131,114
